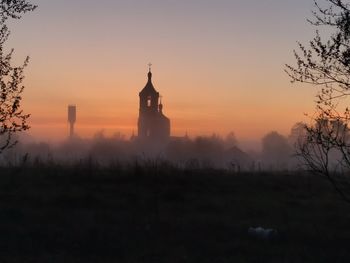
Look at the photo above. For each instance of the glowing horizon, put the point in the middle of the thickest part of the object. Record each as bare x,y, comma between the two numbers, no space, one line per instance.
218,69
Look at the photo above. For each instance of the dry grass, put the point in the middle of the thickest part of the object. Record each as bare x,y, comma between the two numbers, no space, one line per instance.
159,213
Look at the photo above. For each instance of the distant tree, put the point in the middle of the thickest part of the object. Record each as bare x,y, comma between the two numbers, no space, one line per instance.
99,135
298,134
118,136
231,140
12,117
208,148
275,149
206,151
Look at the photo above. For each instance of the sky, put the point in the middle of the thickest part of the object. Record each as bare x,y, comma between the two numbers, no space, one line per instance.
219,65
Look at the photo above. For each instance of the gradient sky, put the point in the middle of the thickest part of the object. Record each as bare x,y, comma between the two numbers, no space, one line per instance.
218,64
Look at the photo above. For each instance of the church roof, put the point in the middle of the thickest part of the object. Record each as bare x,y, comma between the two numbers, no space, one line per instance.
163,117
149,88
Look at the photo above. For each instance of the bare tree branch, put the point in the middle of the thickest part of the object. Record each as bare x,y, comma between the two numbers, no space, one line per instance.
12,117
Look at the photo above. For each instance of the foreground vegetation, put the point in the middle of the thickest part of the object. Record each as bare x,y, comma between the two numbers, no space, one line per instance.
159,213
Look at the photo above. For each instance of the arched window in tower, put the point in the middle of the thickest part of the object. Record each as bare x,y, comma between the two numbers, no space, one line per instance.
149,100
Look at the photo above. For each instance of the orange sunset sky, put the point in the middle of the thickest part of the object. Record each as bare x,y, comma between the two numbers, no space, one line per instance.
218,64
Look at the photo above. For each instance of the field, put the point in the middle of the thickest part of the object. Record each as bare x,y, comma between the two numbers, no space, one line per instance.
159,213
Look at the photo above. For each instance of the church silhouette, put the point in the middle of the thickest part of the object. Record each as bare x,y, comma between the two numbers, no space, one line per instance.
153,125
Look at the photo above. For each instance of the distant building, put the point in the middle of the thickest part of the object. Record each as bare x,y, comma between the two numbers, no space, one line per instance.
152,123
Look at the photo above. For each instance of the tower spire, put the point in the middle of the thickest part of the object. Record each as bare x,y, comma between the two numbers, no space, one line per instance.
149,71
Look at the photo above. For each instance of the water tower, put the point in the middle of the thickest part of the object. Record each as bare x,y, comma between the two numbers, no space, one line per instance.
72,117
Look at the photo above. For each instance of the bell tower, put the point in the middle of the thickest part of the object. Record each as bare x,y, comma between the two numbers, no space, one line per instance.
152,123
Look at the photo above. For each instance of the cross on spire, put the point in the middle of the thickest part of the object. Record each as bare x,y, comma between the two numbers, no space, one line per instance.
150,66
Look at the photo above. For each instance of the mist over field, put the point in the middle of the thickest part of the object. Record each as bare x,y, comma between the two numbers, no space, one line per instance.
274,152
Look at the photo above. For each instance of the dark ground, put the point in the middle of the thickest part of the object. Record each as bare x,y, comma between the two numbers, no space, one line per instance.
82,213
